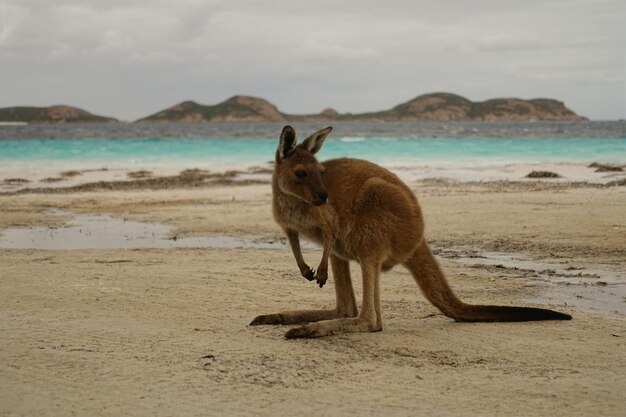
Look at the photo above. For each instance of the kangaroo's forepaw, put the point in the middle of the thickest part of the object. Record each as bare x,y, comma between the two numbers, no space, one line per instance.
267,319
308,273
321,278
302,332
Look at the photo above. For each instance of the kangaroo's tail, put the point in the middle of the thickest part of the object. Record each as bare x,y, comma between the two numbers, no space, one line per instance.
426,271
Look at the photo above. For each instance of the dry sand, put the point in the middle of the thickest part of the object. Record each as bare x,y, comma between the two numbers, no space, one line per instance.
163,332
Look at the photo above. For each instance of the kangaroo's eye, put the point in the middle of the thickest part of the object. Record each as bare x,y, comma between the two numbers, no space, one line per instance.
301,173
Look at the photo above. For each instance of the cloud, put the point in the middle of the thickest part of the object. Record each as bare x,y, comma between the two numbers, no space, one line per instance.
130,58
12,16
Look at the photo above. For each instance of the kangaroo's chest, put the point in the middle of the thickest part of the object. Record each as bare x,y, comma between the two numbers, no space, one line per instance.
301,219
292,215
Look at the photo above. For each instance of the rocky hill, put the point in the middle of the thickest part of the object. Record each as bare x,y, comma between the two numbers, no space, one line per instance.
52,114
437,106
235,109
446,106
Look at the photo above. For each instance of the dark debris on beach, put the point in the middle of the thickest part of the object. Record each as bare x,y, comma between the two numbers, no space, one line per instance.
543,174
606,167
190,178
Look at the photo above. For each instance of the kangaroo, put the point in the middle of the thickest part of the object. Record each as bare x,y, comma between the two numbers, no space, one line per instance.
359,211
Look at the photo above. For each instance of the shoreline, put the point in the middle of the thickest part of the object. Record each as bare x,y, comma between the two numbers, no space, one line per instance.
78,177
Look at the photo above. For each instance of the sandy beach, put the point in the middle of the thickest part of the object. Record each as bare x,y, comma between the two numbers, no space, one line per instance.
164,331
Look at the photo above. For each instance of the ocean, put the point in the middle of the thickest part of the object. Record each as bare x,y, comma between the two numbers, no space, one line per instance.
453,149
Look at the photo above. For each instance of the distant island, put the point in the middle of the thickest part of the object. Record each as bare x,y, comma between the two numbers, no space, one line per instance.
436,106
52,114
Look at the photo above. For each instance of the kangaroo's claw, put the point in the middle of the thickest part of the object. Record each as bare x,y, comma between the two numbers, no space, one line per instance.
321,278
309,275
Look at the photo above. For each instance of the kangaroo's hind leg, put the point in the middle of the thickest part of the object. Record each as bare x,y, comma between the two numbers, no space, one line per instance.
368,320
346,302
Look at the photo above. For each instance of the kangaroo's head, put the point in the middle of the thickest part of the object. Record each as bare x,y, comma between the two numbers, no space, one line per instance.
297,172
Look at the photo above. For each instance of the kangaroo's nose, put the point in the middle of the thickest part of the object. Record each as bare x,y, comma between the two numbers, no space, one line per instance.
322,197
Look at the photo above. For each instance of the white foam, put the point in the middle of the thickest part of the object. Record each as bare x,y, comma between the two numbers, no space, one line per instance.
352,139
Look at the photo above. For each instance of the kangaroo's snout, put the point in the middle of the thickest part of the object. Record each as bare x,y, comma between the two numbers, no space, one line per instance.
321,198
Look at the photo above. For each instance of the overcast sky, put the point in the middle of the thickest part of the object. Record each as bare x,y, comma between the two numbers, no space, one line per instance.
131,58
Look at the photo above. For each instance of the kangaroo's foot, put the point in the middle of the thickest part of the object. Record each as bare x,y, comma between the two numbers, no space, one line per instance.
295,317
268,319
330,327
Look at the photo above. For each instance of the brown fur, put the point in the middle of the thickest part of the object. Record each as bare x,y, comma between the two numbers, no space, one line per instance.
360,211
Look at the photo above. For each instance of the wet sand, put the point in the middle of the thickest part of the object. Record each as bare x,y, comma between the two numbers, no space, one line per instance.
164,331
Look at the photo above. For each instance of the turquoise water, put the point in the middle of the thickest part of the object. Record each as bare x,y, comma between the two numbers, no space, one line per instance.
467,144
218,151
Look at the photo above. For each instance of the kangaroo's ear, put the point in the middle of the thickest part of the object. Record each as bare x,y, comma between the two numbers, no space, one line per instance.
314,142
287,142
